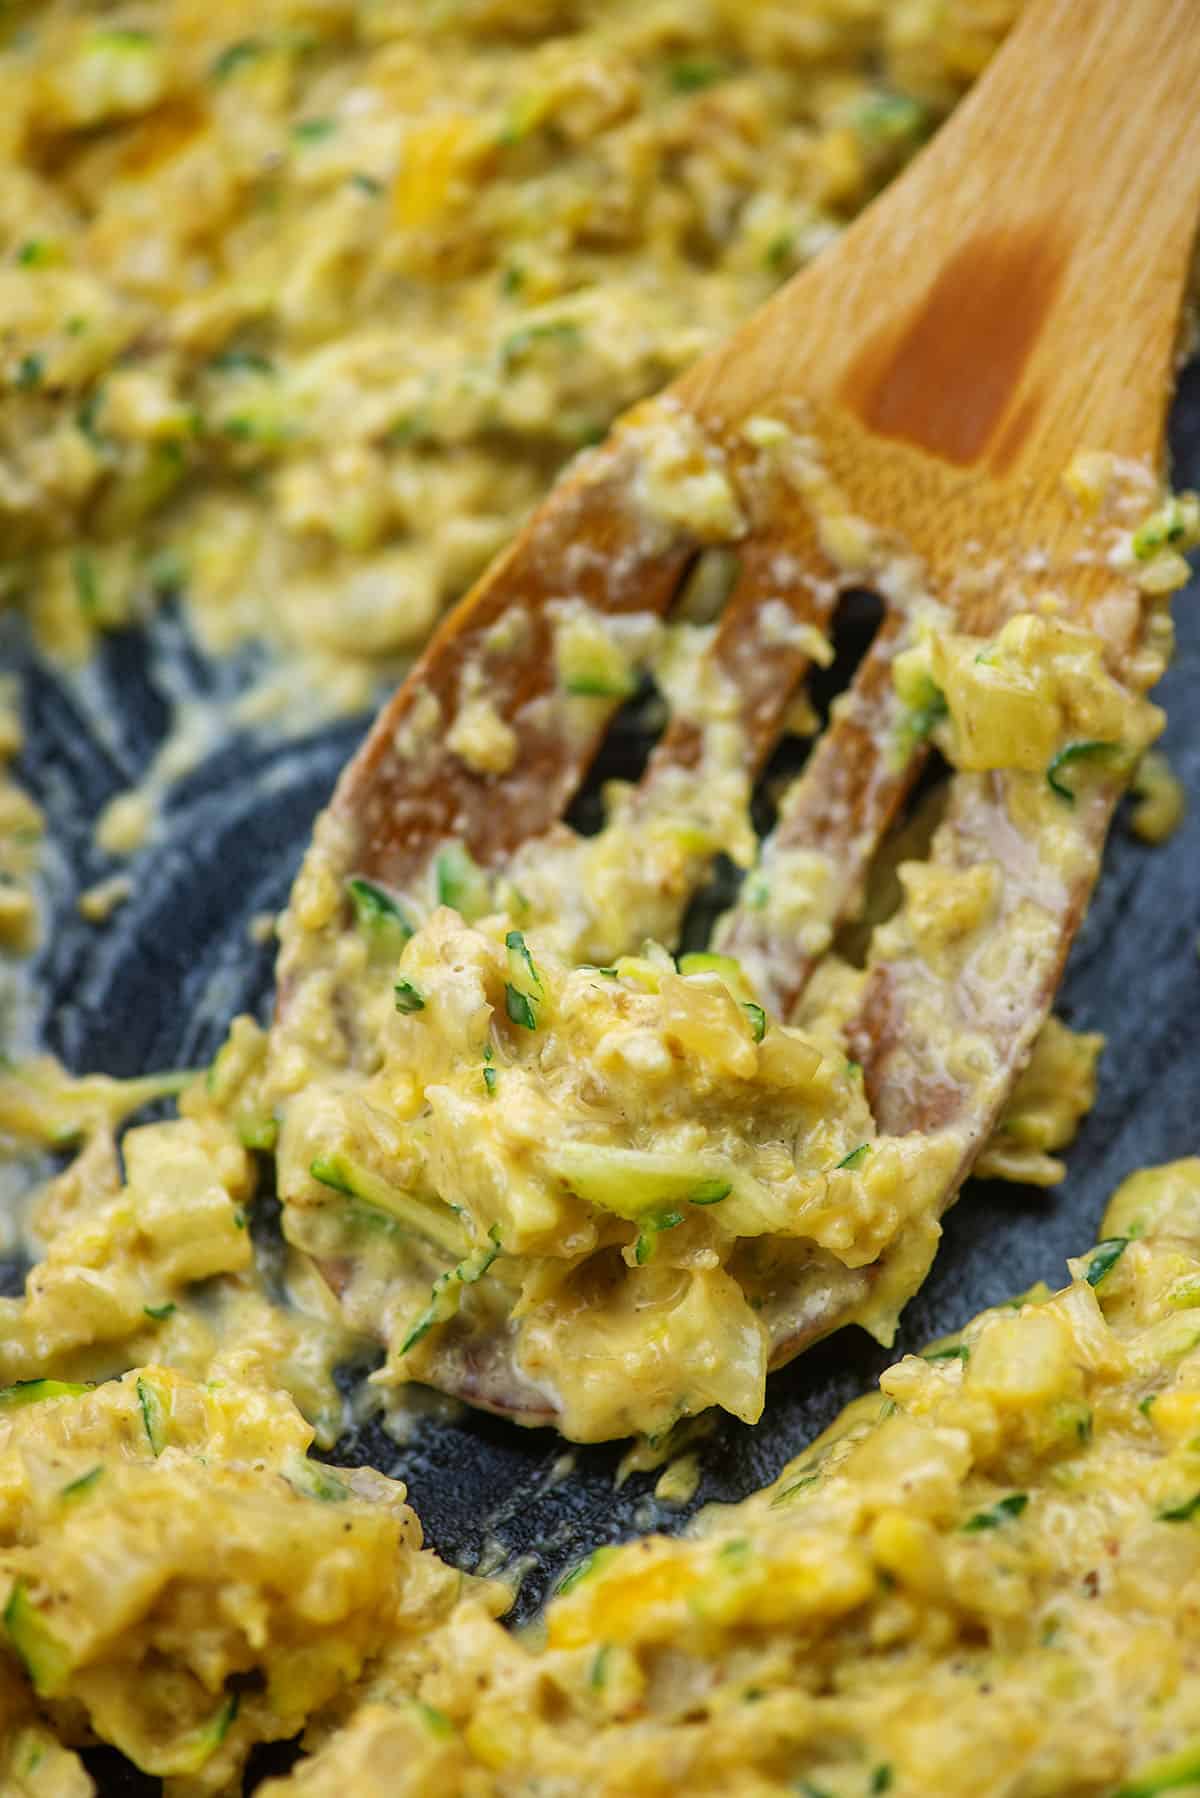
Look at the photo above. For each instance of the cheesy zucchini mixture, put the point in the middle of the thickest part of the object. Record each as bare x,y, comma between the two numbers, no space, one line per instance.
976,1580
301,308
304,305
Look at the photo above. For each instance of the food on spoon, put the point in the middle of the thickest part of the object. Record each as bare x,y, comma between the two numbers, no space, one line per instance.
628,1169
611,1194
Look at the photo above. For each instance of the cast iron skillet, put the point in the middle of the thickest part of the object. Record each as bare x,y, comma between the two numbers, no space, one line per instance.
156,987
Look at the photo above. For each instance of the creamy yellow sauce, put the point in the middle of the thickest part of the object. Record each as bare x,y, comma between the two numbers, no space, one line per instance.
302,311
635,1177
976,1580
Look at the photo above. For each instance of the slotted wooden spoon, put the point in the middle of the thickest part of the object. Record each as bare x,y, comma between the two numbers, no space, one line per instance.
1014,298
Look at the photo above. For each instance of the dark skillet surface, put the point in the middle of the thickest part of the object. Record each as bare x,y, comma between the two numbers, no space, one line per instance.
156,987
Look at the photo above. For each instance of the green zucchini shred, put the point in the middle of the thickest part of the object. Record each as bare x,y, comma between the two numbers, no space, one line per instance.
892,118
329,1170
798,1485
86,416
260,1133
757,1017
311,1479
154,1416
650,1229
437,1722
234,56
710,1192
518,343
519,1008
354,1181
855,1158
122,37
76,1488
32,1392
446,1293
87,584
376,910
31,371
461,883
196,1749
1165,1774
584,1569
1181,1513
692,74
1104,1258
1090,749
521,969
242,362
922,719
1000,1513
1164,529
46,1659
595,686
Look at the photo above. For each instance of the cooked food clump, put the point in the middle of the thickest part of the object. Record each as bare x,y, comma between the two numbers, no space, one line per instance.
181,1579
632,1167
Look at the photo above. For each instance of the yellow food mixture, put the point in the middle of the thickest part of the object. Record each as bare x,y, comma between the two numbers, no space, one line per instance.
304,305
302,311
979,1580
594,1156
976,1581
182,1579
